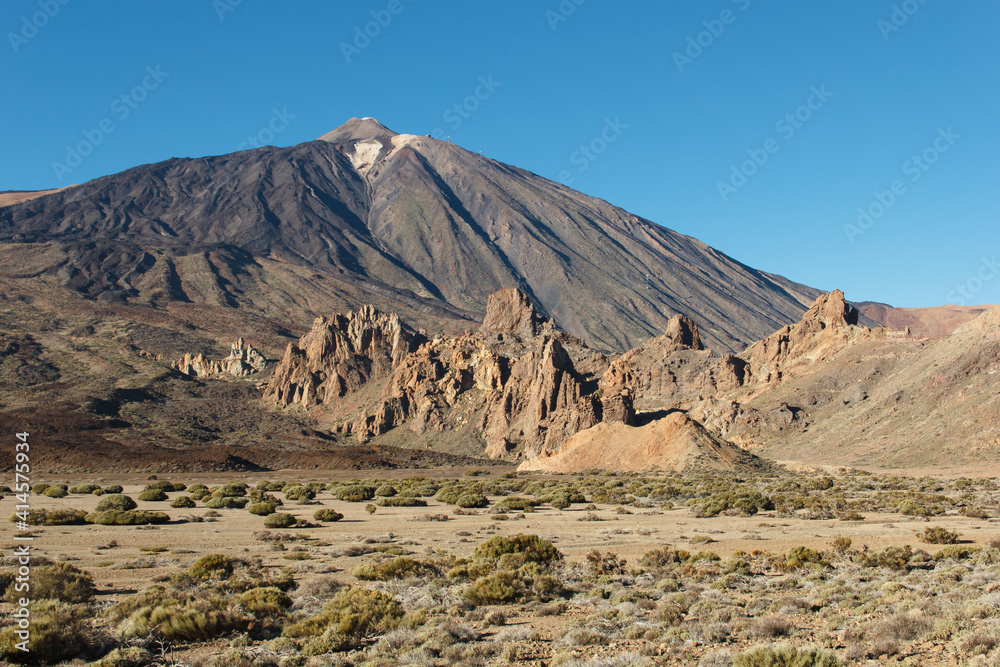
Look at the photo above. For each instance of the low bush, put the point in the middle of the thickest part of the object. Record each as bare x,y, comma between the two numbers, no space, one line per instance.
280,520
153,495
55,492
803,556
86,488
126,656
517,550
500,587
354,614
58,632
938,535
471,501
183,502
67,517
786,656
176,618
113,488
402,502
266,602
299,493
396,568
355,493
58,581
386,491
116,501
327,515
212,566
262,509
127,518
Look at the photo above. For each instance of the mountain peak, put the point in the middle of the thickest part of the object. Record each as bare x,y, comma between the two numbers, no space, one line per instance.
358,129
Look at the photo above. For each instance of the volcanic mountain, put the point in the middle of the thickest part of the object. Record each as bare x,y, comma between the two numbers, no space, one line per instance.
407,223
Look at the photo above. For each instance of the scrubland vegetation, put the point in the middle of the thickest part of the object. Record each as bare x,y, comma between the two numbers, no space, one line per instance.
514,596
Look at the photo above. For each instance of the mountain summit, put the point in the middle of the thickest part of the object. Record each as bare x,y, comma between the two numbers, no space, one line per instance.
407,223
357,129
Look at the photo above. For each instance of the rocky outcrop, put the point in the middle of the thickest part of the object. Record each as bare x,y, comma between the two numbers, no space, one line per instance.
510,311
826,328
243,360
667,372
338,356
513,384
673,443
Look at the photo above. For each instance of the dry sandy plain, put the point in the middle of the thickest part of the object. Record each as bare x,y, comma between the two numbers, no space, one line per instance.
125,560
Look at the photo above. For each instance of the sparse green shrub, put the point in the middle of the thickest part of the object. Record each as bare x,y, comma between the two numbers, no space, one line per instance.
55,492
126,656
517,550
113,488
801,556
519,504
327,515
58,581
40,488
67,517
746,502
300,493
266,601
842,544
153,495
85,488
386,491
262,509
397,568
58,631
471,500
183,502
957,551
896,558
500,587
280,520
354,614
402,502
127,518
212,566
371,508
355,493
786,656
174,618
115,501
938,535
664,558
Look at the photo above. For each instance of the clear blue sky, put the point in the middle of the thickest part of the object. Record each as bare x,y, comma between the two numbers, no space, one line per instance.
226,66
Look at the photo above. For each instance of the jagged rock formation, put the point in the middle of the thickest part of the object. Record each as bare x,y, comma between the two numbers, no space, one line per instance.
339,356
512,385
243,360
673,443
